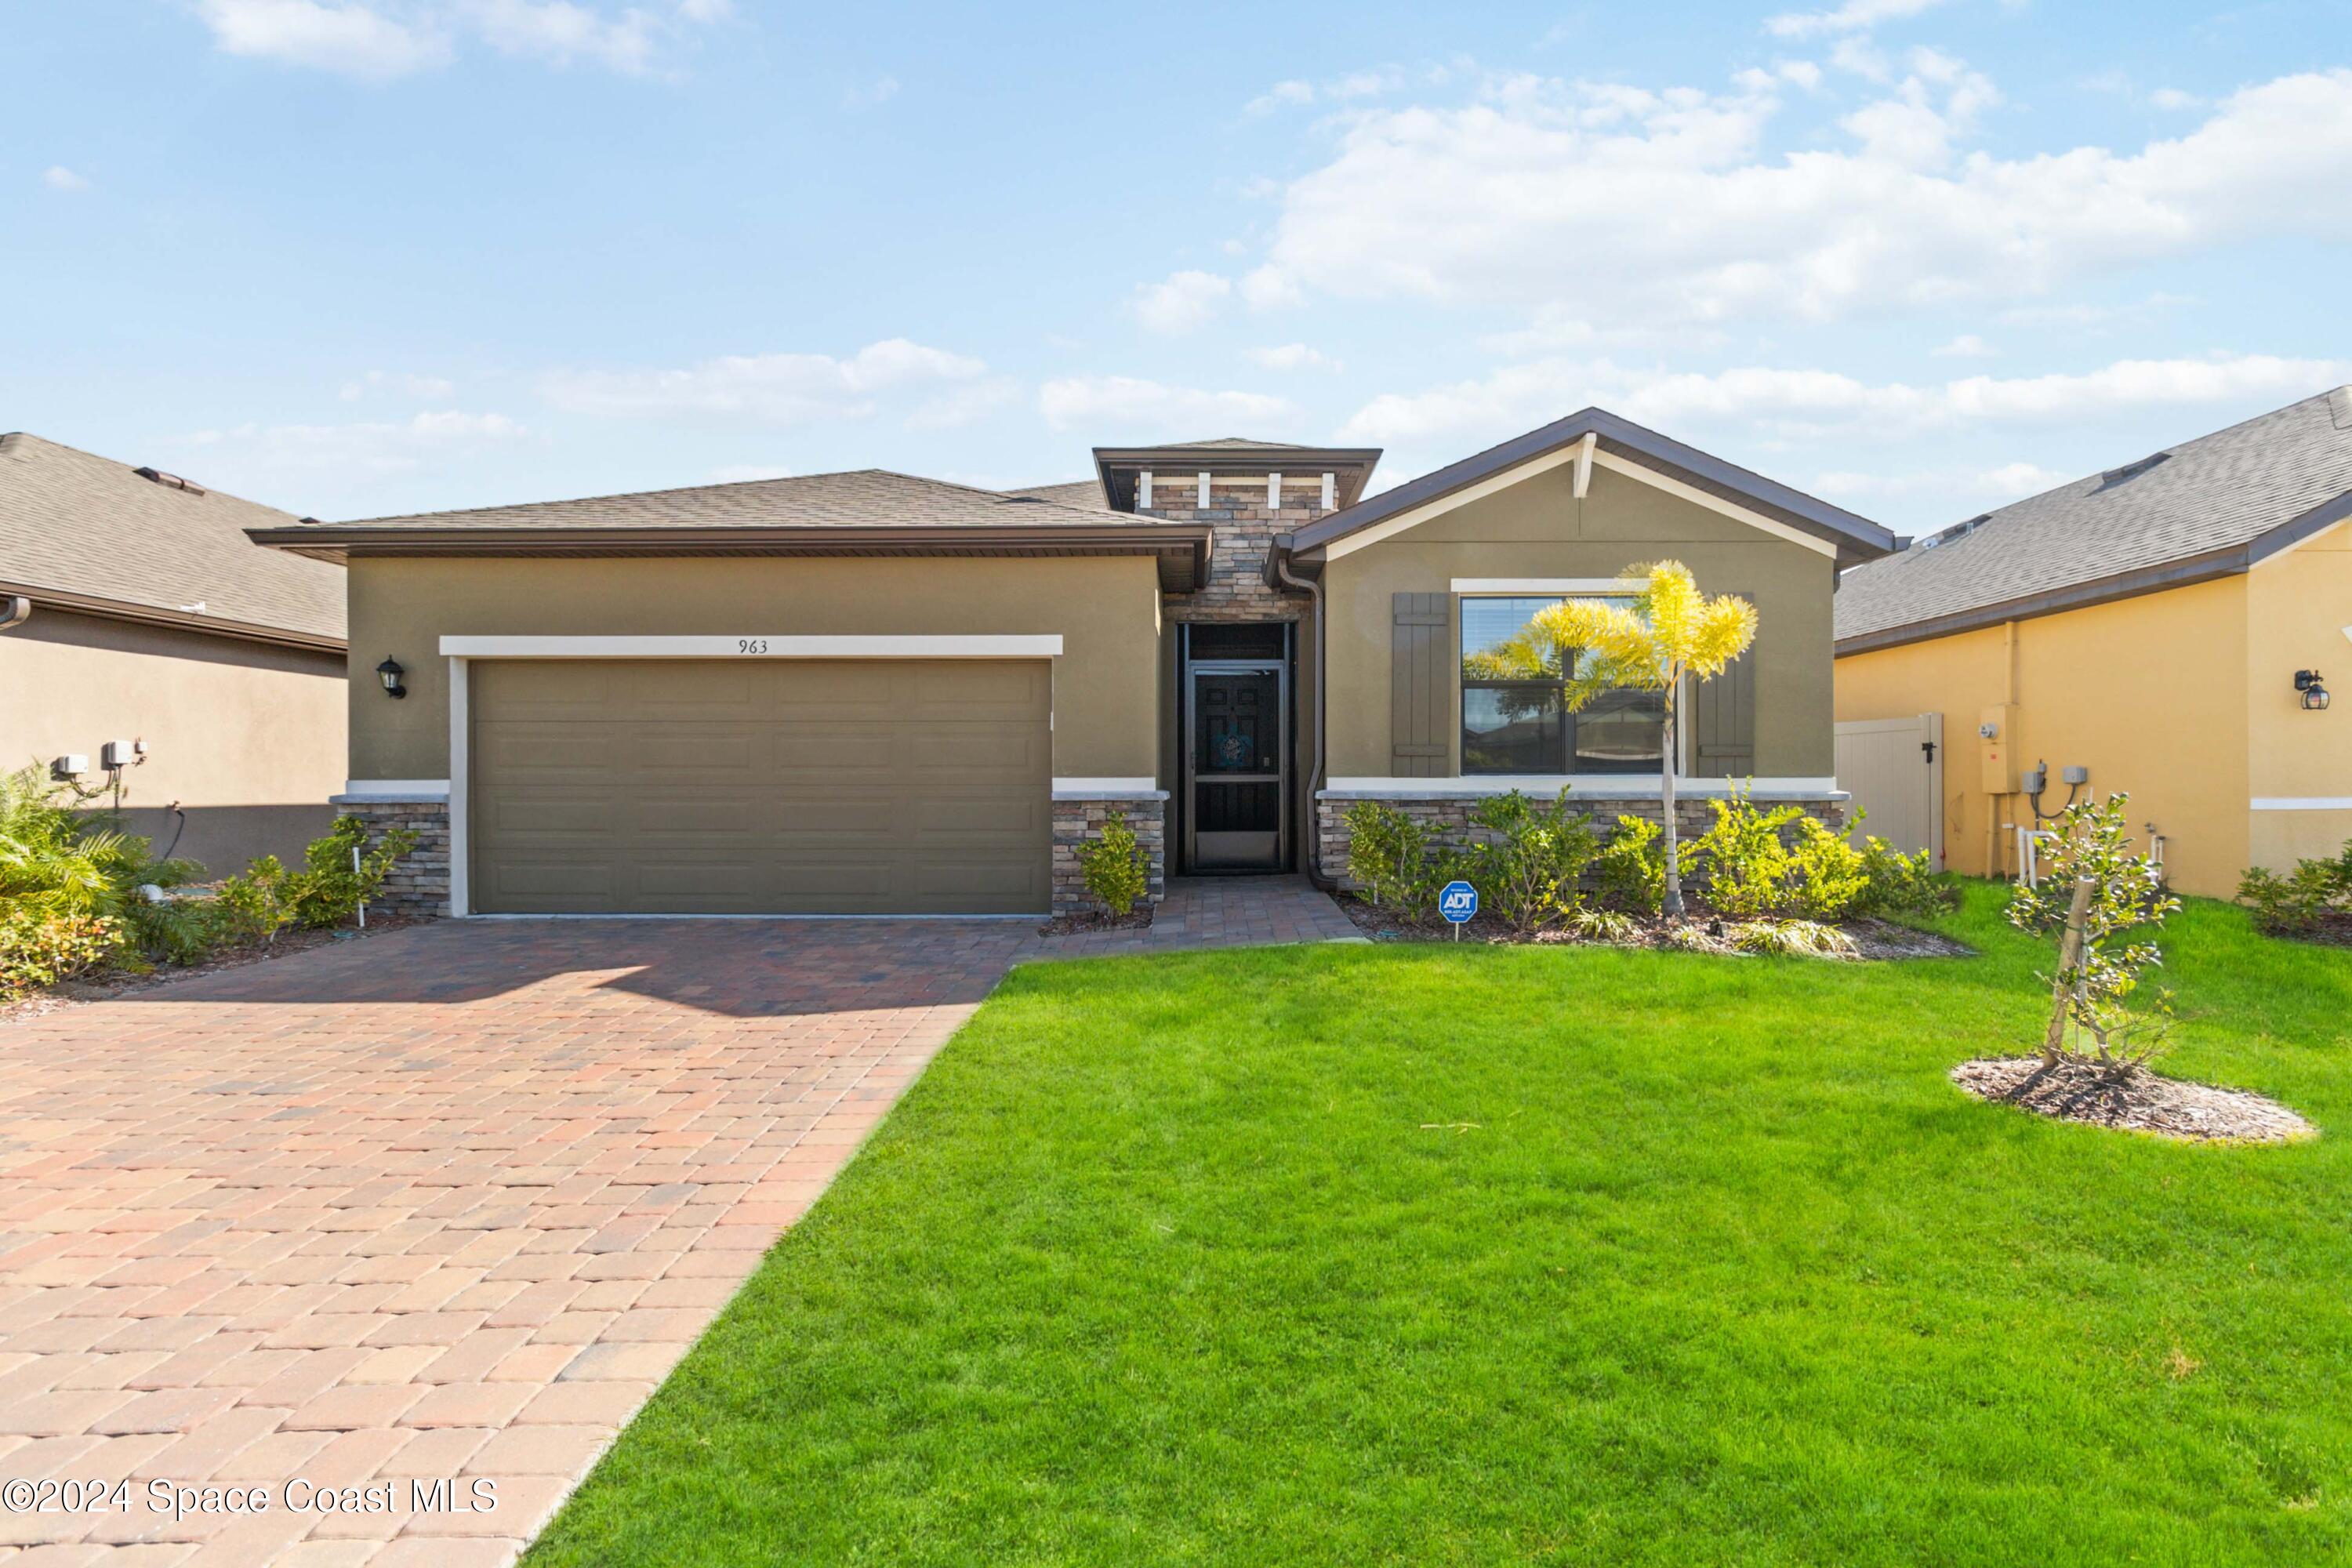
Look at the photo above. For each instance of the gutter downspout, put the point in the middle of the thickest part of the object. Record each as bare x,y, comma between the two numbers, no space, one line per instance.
15,611
1313,589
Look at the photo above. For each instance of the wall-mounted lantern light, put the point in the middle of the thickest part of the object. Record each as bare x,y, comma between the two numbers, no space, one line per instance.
390,672
2314,695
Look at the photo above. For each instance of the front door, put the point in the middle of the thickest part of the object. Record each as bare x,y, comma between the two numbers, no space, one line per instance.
1237,767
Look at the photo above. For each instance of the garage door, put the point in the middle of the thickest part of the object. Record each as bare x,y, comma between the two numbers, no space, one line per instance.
688,786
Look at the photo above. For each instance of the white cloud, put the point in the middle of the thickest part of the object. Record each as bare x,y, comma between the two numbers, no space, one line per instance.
1337,89
1185,301
273,453
424,388
1854,16
2005,483
1118,407
962,406
57,177
559,33
1661,207
2172,98
380,40
777,388
1292,356
1786,404
350,39
1967,346
1280,94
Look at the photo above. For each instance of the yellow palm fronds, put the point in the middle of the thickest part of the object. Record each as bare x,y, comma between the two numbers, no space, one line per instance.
1669,629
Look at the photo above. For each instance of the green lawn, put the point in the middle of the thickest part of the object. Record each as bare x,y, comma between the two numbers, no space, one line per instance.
1438,1255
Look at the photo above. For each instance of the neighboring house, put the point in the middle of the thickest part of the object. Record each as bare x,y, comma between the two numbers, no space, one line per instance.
867,693
137,611
2158,624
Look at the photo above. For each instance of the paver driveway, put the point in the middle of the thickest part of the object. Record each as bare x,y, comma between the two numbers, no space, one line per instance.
443,1203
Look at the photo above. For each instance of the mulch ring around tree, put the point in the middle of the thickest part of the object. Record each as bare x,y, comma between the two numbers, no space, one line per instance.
1874,940
1137,919
2138,1100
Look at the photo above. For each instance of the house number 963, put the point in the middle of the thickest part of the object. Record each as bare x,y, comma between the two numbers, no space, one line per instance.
751,644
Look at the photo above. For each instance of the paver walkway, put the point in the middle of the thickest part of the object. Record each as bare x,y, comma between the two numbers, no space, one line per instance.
441,1205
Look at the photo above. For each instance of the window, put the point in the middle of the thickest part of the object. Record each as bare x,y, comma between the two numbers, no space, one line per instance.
1515,717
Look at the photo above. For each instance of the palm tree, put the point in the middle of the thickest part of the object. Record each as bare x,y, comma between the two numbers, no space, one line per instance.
1669,631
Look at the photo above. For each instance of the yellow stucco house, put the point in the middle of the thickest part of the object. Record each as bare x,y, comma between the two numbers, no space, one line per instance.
2170,627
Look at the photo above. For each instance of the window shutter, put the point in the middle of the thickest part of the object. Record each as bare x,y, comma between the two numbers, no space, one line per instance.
1723,720
1420,690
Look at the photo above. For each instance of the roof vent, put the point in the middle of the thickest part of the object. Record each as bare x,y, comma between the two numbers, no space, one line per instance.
2339,404
2113,477
1957,531
157,476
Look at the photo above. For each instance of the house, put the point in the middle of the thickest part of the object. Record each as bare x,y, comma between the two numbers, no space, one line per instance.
869,693
147,648
2168,626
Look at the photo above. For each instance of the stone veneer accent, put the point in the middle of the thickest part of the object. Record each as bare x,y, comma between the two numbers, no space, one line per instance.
1244,527
1078,819
1449,818
419,881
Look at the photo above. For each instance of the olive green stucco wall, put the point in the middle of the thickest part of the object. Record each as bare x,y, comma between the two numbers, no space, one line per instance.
1538,529
1107,609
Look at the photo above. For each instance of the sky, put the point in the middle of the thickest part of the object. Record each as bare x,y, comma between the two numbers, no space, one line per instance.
1920,258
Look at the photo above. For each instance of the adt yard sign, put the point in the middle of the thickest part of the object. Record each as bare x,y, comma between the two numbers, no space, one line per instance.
1457,901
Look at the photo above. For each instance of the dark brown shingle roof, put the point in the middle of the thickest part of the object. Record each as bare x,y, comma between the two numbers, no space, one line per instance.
2206,507
90,531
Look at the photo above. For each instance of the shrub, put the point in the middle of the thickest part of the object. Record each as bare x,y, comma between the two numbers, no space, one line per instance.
1116,871
1746,867
2298,902
1389,857
2099,896
329,888
1527,860
1827,874
1900,886
57,858
38,949
1632,867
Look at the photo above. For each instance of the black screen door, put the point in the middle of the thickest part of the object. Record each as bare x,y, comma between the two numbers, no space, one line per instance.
1237,768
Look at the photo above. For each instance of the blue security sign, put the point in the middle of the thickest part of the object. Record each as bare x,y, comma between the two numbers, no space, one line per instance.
1457,902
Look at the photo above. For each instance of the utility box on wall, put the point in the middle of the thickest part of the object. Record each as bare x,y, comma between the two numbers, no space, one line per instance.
1996,748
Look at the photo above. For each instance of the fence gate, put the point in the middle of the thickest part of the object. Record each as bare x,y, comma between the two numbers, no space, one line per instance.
1894,768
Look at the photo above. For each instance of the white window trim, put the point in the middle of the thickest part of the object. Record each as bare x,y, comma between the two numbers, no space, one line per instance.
1044,645
1514,587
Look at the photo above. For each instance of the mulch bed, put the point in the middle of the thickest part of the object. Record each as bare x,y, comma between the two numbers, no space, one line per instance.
2139,1100
1137,919
106,987
2334,928
1874,940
